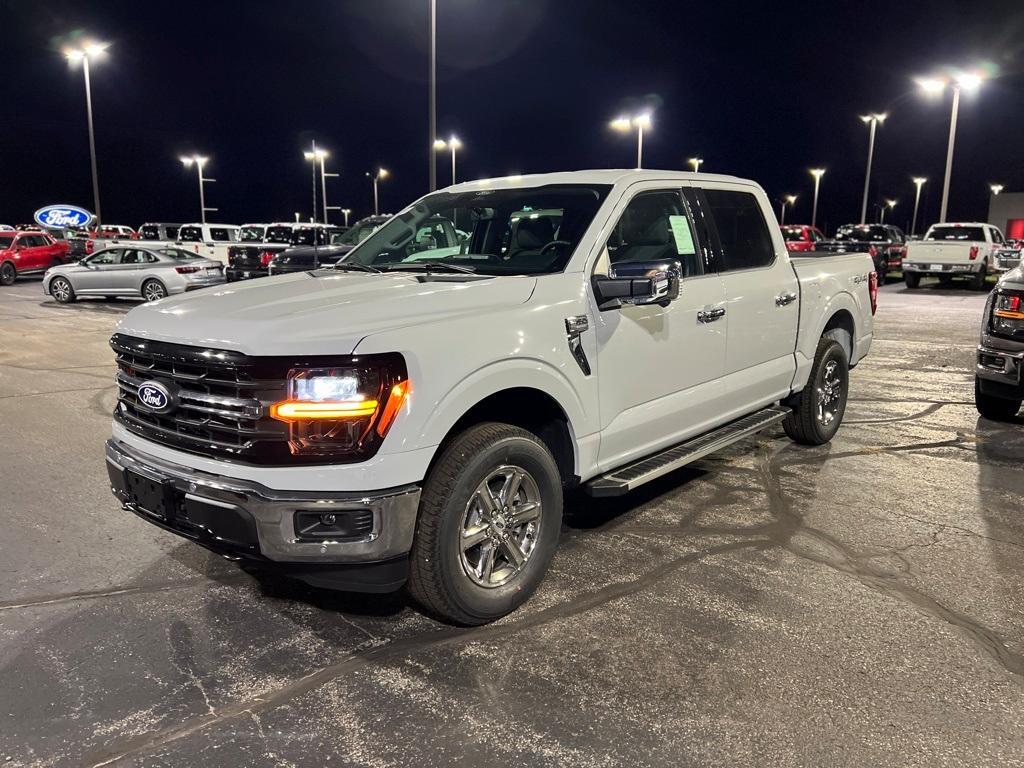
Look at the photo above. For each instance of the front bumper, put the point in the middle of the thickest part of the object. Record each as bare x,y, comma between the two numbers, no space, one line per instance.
1001,371
243,519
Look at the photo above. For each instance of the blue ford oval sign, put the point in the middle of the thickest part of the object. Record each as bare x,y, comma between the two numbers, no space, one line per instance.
154,396
63,216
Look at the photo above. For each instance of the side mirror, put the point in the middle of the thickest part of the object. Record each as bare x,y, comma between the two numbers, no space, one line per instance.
638,282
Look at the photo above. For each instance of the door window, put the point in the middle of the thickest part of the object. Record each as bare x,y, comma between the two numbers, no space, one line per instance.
655,227
219,234
107,257
743,236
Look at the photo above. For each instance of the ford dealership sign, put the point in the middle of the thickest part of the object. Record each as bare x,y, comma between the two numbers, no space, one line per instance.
63,216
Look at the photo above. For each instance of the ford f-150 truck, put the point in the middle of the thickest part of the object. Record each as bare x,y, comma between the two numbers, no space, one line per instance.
400,419
953,250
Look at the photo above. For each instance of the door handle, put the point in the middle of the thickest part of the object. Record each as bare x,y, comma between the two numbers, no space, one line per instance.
785,298
710,314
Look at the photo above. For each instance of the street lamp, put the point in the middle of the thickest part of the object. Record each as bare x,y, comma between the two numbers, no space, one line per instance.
314,156
873,121
625,124
199,161
817,173
889,204
346,212
432,138
996,188
85,54
377,177
918,182
696,163
787,200
453,144
934,86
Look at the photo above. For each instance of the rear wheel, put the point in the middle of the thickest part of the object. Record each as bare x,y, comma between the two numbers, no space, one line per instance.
7,273
153,290
489,522
61,290
819,408
912,279
978,279
994,408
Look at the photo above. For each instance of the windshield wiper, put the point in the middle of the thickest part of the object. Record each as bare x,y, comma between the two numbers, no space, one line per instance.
431,266
356,266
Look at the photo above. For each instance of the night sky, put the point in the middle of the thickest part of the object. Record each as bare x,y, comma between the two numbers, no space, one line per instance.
760,90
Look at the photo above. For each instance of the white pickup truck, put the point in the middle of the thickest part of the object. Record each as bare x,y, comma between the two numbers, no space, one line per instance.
953,250
409,420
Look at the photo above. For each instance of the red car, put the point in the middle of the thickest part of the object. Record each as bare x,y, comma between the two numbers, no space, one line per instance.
801,237
28,252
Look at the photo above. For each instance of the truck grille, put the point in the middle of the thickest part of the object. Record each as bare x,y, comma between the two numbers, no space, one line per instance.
220,399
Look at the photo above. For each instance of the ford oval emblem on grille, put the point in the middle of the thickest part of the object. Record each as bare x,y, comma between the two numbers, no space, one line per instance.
154,396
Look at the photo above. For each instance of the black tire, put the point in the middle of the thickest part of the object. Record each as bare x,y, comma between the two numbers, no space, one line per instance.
439,575
7,273
153,290
62,290
912,279
830,370
994,408
883,273
978,279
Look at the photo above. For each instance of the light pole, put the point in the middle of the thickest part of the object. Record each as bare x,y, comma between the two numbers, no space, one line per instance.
315,156
787,200
199,161
453,144
381,173
889,204
432,139
346,212
918,182
625,124
817,173
873,120
995,188
964,80
696,163
84,54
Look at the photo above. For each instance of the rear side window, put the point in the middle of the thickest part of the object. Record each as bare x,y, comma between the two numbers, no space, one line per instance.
743,235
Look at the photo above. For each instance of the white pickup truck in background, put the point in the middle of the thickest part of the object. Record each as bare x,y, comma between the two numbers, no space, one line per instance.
414,418
954,250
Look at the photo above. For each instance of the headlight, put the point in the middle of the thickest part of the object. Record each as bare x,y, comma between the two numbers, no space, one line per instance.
345,410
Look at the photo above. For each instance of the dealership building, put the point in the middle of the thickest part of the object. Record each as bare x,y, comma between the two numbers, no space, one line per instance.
1006,211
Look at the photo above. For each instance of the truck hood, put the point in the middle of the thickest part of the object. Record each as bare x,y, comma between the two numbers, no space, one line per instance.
317,313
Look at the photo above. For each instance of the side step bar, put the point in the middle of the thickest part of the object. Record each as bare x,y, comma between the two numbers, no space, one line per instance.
624,479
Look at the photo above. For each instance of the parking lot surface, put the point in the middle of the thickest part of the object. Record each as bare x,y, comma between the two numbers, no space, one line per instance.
854,604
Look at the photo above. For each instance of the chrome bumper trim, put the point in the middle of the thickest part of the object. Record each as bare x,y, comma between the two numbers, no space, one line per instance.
1013,364
394,510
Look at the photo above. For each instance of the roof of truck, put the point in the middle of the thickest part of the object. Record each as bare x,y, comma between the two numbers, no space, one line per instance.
599,176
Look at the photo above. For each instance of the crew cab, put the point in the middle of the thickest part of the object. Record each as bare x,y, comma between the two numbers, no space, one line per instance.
252,259
953,250
885,243
26,252
999,373
801,237
414,418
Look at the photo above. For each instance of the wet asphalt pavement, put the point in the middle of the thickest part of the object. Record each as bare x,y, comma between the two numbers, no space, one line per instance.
855,604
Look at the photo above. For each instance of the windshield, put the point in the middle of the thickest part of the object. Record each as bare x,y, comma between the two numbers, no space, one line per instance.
303,236
528,230
969,234
252,234
871,234
191,234
793,233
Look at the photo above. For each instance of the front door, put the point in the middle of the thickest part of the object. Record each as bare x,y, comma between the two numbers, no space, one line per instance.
659,368
95,278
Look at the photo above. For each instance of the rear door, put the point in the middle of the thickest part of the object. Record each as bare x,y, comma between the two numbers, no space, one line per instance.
761,297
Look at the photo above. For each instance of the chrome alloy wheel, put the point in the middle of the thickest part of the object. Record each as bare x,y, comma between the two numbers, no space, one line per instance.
153,291
830,391
61,289
500,527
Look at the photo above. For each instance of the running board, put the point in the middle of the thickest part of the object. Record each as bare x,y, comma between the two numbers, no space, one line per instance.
625,479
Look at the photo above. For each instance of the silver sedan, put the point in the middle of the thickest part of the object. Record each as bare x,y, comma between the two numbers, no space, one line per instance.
132,271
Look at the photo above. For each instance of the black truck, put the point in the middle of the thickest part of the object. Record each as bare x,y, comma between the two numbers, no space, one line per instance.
886,244
249,260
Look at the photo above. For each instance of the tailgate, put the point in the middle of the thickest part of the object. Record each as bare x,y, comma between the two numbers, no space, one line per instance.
942,252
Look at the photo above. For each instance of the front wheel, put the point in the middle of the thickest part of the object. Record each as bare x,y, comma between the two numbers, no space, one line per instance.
912,279
7,273
489,522
994,408
153,290
819,408
61,290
